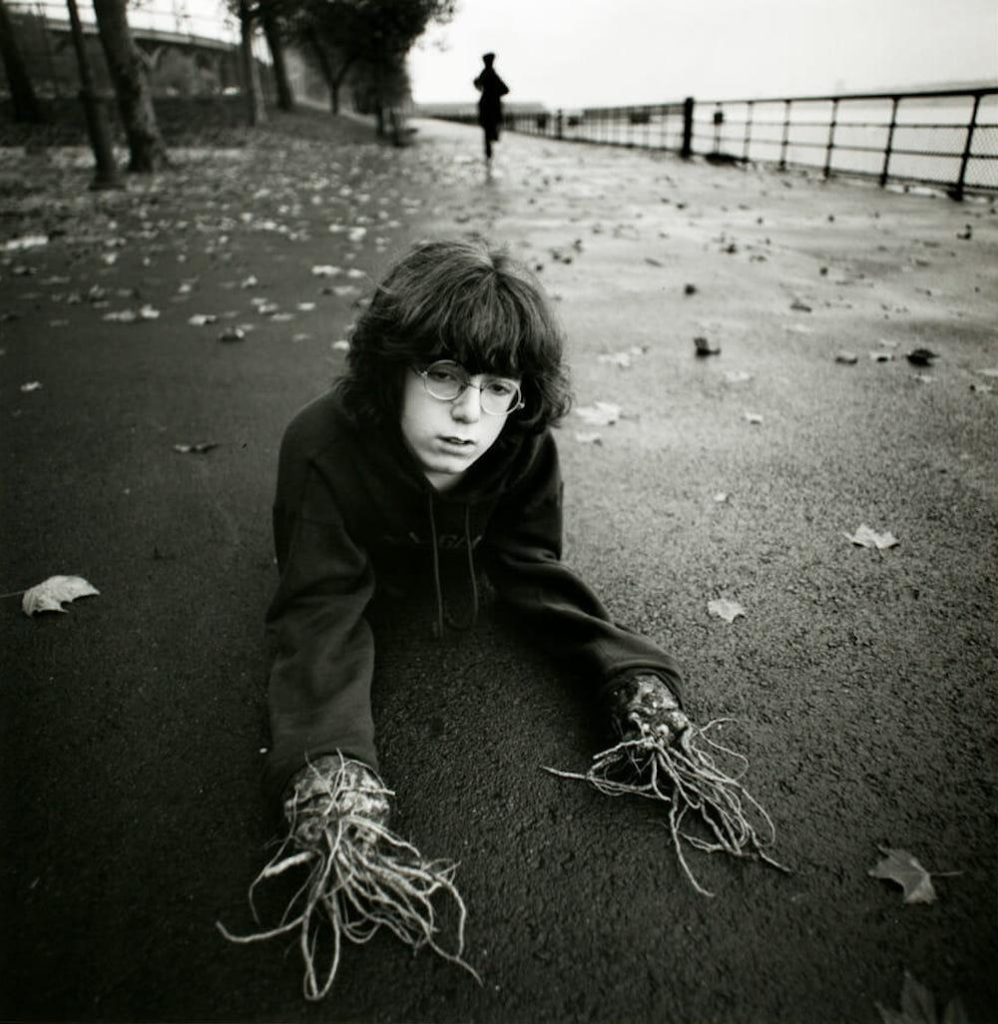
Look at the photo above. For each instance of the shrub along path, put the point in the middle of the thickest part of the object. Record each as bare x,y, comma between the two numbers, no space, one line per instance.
861,680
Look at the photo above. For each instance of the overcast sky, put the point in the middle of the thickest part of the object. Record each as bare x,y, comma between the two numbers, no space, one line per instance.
565,53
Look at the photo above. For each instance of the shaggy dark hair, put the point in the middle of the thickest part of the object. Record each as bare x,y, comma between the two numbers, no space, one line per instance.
463,300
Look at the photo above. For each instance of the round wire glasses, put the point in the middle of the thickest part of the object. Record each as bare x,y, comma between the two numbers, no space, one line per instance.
447,381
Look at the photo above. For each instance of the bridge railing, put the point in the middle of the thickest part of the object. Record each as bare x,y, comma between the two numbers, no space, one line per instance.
943,138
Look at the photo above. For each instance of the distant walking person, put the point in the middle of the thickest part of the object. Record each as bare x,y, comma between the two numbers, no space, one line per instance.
492,88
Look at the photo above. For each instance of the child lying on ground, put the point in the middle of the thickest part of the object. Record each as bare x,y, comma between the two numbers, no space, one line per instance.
433,459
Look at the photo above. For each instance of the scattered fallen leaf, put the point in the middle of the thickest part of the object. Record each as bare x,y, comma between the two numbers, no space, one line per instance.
737,376
249,282
25,242
881,357
901,867
705,348
690,289
722,497
725,609
31,385
51,594
232,334
924,378
867,538
200,319
131,316
800,307
621,359
599,414
918,1006
584,437
982,389
846,357
195,449
921,356
988,373
324,270
754,418
342,345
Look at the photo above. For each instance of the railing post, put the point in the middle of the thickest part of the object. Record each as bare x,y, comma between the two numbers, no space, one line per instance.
786,135
748,131
831,137
957,191
560,125
890,141
687,151
718,123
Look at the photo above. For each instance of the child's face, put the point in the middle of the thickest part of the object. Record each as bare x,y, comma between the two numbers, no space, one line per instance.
449,436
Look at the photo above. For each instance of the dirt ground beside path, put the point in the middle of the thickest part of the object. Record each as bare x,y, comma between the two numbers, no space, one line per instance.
861,681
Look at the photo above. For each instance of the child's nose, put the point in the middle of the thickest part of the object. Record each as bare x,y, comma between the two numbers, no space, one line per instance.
467,407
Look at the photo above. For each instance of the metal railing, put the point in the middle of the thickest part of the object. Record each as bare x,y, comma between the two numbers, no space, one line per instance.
944,138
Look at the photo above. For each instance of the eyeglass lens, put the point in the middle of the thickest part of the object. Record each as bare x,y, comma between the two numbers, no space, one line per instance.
448,380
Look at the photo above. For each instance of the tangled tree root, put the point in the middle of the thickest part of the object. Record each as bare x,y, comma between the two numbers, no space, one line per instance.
360,877
684,774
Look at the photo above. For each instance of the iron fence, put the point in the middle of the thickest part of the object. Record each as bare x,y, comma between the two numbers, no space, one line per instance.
943,138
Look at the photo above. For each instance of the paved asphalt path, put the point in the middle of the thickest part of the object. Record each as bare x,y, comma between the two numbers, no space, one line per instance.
862,682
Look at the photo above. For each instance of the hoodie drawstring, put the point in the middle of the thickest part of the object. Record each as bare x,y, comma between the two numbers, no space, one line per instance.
438,630
469,551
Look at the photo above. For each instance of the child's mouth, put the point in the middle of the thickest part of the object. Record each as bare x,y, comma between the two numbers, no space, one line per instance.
457,443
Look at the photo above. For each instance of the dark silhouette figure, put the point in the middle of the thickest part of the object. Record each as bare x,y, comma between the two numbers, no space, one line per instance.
492,88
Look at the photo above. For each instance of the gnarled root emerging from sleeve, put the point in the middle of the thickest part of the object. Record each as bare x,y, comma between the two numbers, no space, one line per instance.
359,876
663,756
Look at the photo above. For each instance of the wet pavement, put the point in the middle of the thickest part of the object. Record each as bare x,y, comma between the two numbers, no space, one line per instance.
861,681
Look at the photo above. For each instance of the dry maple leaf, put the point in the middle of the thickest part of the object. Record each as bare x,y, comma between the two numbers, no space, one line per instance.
866,538
725,609
919,1007
50,594
901,867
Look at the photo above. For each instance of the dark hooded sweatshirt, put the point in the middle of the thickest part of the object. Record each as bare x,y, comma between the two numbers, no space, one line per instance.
352,508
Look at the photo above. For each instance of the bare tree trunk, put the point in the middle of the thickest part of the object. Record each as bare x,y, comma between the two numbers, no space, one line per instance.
147,151
326,67
272,32
22,92
256,112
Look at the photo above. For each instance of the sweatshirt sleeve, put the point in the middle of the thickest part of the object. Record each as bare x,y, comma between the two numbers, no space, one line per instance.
523,561
320,682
